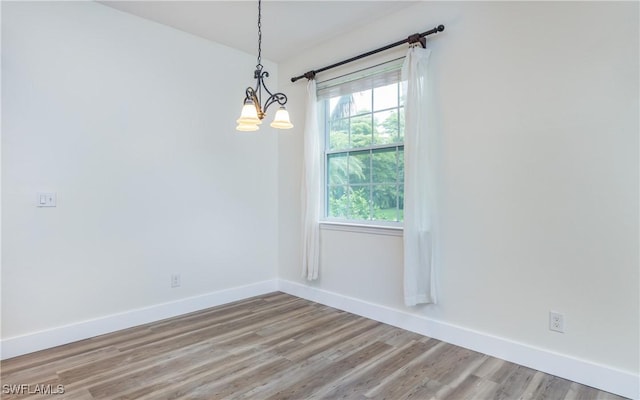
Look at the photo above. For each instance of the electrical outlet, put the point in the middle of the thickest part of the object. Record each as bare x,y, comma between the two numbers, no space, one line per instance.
556,322
175,280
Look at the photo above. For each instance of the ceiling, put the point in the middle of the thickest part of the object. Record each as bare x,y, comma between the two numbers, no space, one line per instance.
287,26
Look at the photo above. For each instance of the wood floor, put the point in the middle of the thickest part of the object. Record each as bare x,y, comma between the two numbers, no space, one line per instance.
275,347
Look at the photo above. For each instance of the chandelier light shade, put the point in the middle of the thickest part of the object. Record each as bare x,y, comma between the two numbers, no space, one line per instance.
253,111
249,114
247,127
281,120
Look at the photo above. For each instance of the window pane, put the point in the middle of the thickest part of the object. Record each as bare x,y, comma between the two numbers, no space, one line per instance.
386,127
339,134
361,102
341,107
385,200
385,97
359,202
361,128
359,167
384,166
338,200
337,169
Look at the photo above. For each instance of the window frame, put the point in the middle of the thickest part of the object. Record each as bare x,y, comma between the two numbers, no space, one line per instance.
384,227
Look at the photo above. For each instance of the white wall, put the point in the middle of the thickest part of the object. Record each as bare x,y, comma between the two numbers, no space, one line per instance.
539,175
131,123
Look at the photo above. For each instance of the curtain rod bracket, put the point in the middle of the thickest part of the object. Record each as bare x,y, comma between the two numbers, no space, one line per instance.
310,75
417,38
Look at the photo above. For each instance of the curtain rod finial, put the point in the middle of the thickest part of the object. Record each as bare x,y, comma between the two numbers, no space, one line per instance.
440,28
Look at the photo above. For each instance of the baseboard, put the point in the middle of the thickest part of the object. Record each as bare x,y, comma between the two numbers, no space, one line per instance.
588,373
29,343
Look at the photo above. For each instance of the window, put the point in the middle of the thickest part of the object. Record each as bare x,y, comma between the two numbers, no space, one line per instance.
364,145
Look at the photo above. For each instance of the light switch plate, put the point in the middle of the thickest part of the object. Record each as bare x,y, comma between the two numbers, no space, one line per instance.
46,199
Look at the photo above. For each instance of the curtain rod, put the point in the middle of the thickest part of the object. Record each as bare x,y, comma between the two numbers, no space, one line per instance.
415,38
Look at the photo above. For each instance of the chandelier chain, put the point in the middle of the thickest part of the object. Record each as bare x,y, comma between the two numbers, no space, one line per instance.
259,66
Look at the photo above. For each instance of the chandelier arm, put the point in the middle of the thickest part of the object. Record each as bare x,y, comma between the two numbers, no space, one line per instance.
260,75
279,98
250,94
257,92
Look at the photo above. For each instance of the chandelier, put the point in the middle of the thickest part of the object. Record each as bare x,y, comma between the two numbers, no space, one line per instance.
253,111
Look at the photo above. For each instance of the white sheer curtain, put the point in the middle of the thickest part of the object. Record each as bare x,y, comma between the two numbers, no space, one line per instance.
419,199
311,188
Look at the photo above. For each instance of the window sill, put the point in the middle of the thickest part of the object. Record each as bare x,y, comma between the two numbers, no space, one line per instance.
384,230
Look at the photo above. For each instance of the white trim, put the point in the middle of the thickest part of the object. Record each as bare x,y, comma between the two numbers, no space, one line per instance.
19,345
387,230
588,373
